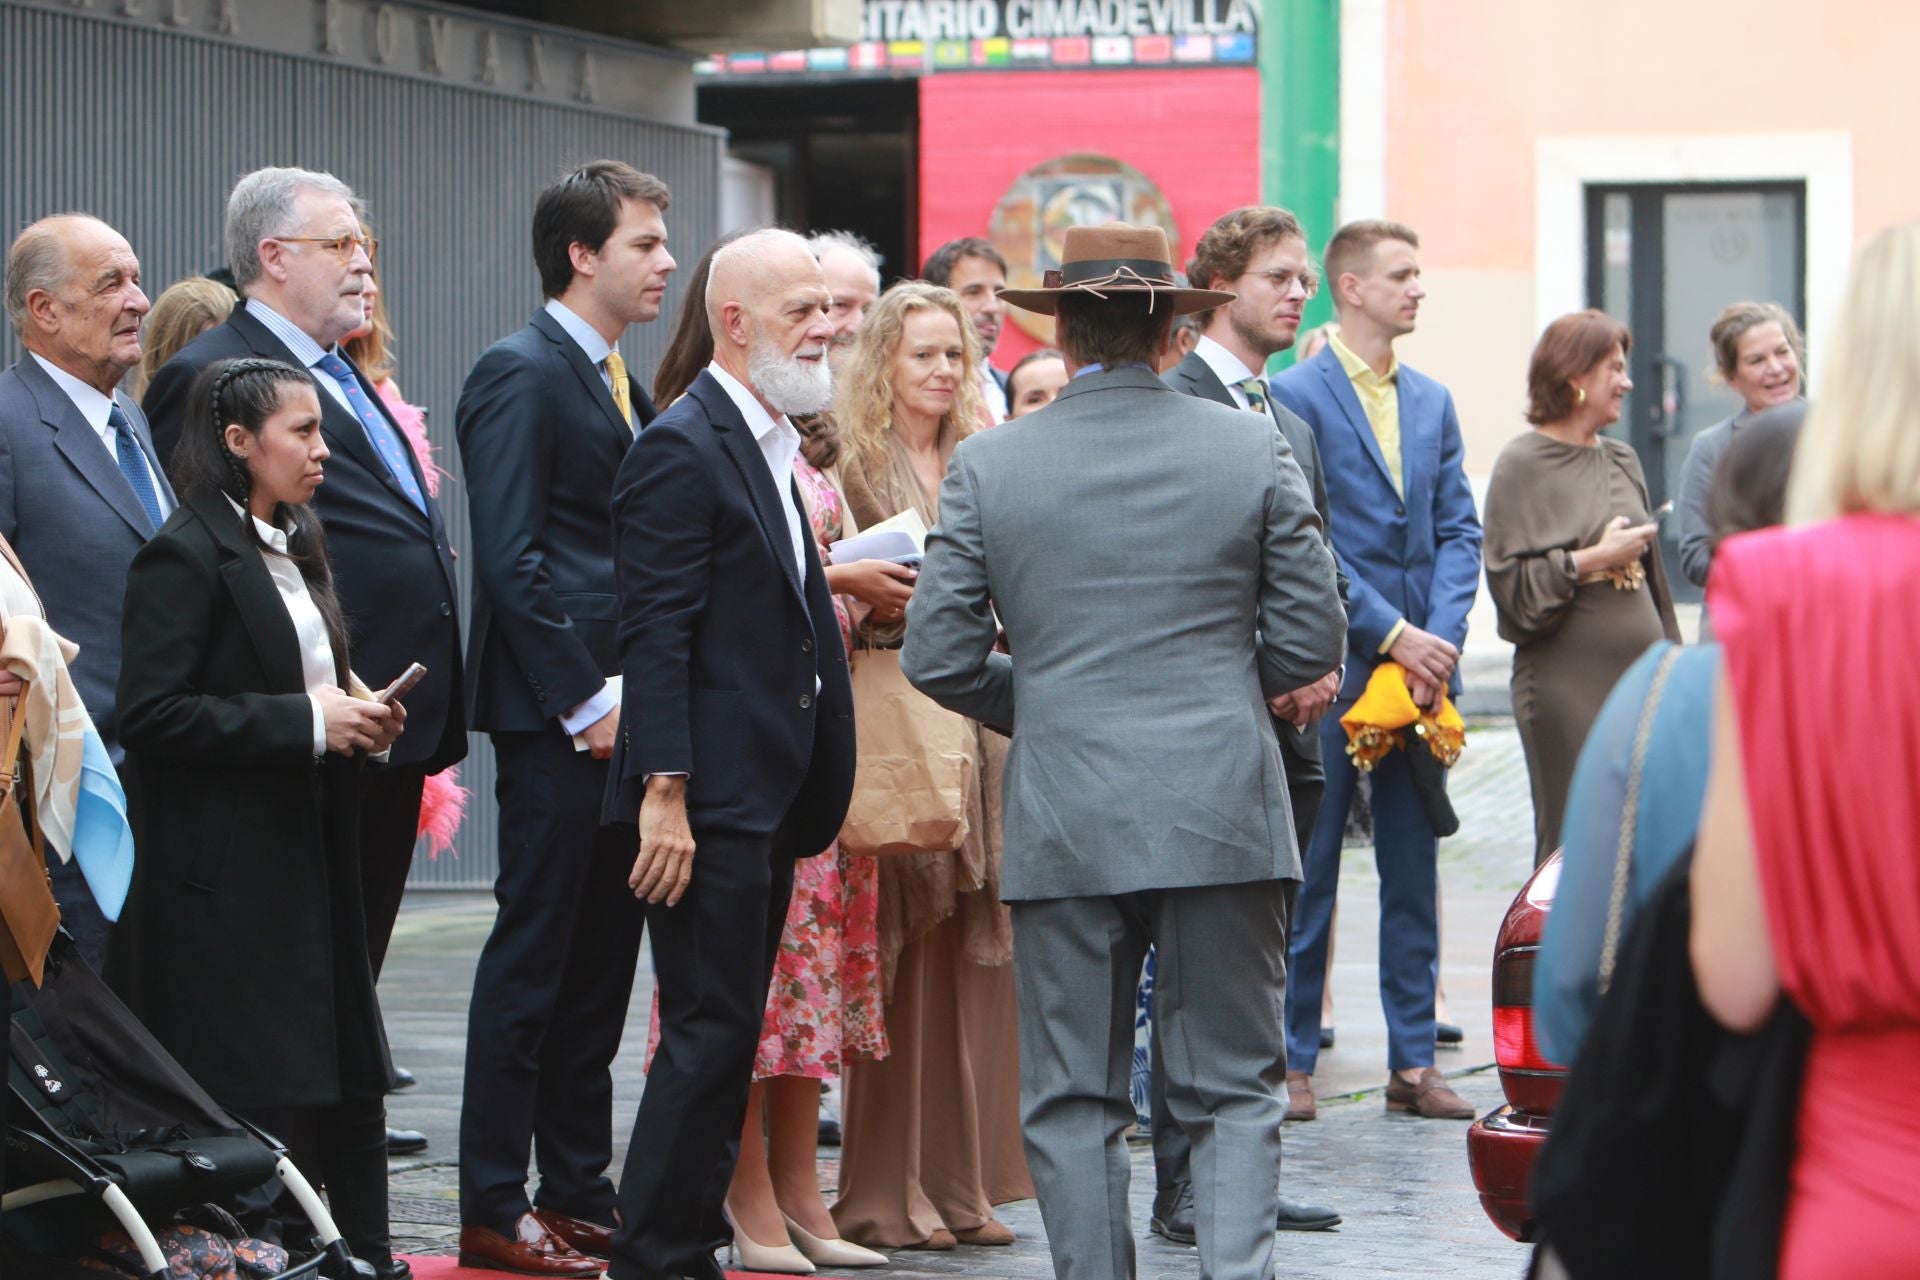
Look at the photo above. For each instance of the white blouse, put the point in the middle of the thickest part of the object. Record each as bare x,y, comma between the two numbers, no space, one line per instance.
309,627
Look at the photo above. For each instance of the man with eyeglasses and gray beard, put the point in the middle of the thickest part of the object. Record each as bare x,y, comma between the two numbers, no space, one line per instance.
736,733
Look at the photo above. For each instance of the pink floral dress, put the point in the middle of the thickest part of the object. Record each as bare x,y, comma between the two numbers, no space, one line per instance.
824,1007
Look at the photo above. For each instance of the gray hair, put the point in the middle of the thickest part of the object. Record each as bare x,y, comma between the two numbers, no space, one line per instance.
37,260
261,207
824,242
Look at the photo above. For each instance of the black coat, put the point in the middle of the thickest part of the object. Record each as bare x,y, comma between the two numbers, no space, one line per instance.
719,643
391,564
243,944
1193,376
541,439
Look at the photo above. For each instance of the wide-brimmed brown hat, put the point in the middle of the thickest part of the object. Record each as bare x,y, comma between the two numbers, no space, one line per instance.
1116,258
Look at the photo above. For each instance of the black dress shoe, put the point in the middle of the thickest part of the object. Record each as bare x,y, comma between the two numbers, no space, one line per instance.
1447,1033
403,1079
405,1142
393,1269
1172,1217
1295,1216
1326,1037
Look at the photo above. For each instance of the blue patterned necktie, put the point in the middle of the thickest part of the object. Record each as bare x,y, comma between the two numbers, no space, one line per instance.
1255,389
380,433
133,465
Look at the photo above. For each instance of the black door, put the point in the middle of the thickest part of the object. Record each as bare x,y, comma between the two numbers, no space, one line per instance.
1665,258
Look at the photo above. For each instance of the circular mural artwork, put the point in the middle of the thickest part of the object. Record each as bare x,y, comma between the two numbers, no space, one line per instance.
1029,225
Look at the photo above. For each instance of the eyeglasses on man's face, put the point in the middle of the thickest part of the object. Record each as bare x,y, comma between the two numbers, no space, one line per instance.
1283,280
341,247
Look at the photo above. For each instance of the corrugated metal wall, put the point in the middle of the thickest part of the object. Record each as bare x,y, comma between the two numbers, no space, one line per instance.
148,129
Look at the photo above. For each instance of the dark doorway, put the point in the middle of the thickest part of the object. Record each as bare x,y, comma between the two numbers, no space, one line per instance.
843,154
1665,258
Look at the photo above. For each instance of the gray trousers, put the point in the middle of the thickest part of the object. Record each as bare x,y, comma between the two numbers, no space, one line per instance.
1219,994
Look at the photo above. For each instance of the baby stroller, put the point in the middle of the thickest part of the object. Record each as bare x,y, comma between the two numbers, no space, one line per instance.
98,1112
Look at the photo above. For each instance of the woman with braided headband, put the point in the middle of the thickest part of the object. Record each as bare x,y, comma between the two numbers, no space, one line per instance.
243,945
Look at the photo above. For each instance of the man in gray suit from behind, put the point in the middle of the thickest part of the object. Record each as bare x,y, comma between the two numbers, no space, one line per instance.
80,488
1133,542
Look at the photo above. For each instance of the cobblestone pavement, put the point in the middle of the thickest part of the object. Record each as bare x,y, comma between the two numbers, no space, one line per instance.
1402,1185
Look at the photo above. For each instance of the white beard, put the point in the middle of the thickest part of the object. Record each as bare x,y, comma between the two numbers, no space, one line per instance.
796,387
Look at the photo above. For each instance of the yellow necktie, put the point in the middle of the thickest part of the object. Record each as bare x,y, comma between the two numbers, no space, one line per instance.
622,392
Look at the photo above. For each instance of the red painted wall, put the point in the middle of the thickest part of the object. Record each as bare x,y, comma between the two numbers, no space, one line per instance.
1196,134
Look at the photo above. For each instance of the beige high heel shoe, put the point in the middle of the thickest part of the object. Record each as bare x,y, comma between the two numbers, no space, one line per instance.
781,1259
832,1253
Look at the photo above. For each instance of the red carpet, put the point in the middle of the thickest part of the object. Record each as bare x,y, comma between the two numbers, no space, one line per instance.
447,1267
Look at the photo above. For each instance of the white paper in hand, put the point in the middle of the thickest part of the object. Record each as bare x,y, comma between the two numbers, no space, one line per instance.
899,538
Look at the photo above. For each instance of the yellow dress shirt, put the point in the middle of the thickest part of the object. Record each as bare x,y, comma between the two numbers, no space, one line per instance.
1379,397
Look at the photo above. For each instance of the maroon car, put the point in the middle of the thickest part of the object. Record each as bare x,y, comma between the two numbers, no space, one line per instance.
1502,1145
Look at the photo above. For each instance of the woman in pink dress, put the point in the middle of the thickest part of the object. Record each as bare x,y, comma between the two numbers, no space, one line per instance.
1806,875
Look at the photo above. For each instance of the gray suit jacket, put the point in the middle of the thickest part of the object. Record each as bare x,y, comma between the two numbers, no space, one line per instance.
1696,481
1132,542
1193,376
75,523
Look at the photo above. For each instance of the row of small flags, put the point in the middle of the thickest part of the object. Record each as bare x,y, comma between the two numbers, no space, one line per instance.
999,53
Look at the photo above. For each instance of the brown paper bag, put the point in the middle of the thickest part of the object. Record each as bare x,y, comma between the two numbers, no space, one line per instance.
28,916
916,765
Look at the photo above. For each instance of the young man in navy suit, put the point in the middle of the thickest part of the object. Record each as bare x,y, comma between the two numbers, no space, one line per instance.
1408,541
543,422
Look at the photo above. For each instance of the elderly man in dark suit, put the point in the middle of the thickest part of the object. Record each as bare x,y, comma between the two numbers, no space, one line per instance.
81,487
1258,253
736,743
1145,798
301,263
543,422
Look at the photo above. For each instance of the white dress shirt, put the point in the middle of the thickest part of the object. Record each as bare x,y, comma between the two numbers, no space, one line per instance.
779,445
1226,366
588,339
95,408
994,394
309,627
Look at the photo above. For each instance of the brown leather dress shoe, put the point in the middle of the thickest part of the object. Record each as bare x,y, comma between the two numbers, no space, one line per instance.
1431,1098
532,1250
587,1237
1300,1100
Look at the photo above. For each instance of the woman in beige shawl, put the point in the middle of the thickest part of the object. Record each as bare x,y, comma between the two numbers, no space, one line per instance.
932,1134
1573,564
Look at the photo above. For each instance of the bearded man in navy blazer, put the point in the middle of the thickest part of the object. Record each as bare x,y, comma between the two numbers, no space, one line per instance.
1408,540
736,739
544,420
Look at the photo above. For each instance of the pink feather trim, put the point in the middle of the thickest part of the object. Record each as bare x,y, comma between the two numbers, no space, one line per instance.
443,804
413,425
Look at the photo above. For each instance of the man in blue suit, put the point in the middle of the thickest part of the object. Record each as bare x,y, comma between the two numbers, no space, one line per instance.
1410,547
81,486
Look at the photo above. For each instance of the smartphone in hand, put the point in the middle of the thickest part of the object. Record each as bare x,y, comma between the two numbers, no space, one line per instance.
402,685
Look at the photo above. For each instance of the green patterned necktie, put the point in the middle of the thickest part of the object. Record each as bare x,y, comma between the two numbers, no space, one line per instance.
1255,390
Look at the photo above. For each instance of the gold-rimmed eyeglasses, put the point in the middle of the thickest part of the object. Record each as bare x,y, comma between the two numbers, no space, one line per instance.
1283,280
341,247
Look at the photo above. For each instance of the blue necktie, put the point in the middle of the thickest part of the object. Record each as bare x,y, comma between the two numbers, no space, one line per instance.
133,465
380,433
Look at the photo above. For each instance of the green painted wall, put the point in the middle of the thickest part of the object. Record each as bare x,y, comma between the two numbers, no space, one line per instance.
1300,124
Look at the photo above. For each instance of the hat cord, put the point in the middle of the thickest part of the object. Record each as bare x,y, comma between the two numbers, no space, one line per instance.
1120,276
